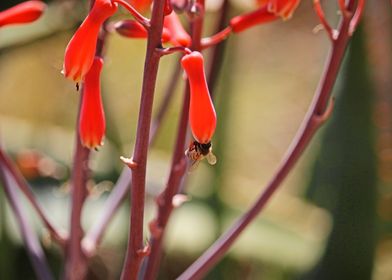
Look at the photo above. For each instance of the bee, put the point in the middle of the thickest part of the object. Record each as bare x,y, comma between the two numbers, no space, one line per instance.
197,152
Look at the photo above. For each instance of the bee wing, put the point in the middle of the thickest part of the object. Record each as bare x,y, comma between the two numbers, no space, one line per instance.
194,165
211,158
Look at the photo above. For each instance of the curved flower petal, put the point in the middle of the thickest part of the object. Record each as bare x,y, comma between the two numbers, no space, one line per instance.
179,37
202,116
133,29
25,12
92,116
141,5
79,54
245,21
282,8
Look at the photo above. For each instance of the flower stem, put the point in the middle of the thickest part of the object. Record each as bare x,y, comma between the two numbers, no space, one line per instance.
140,18
317,114
95,234
177,170
34,249
164,201
76,262
21,183
135,248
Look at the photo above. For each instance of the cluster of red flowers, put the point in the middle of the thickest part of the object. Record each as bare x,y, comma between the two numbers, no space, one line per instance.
81,65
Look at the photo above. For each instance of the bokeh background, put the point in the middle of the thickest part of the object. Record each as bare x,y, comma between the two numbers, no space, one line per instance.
331,219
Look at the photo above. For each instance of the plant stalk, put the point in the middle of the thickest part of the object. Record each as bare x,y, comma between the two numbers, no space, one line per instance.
317,114
33,246
135,249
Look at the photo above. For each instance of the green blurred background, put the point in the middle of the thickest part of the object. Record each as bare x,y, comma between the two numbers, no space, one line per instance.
331,219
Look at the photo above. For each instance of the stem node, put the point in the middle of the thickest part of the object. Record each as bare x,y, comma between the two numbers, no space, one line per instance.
129,162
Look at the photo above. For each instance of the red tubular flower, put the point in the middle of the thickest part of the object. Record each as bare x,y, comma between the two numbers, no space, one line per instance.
179,37
130,29
245,21
202,116
168,8
282,8
140,5
92,117
79,54
269,10
133,29
25,12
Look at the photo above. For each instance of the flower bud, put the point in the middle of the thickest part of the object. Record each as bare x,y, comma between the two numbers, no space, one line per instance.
202,116
140,5
92,117
269,10
133,29
25,12
168,8
245,21
282,8
79,54
179,37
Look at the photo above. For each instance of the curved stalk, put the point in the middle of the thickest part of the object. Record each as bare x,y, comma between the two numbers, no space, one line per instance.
318,113
96,232
21,183
33,246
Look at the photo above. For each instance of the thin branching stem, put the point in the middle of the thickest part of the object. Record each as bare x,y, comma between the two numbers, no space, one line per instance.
138,17
76,261
94,235
171,50
136,249
76,258
56,234
318,113
177,170
165,199
216,38
33,246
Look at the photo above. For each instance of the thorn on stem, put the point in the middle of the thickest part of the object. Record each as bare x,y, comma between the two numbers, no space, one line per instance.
321,118
145,251
179,199
89,247
129,162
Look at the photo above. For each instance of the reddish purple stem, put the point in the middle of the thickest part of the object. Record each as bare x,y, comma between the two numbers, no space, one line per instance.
135,248
33,246
318,113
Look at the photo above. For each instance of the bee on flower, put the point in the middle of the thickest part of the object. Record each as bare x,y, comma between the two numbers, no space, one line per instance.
202,115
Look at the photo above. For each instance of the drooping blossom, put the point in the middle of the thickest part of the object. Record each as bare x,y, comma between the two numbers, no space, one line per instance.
269,10
133,29
282,8
202,116
179,37
247,20
25,12
79,54
141,5
92,117
168,9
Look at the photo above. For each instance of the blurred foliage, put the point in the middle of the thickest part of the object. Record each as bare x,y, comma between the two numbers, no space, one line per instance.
344,179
